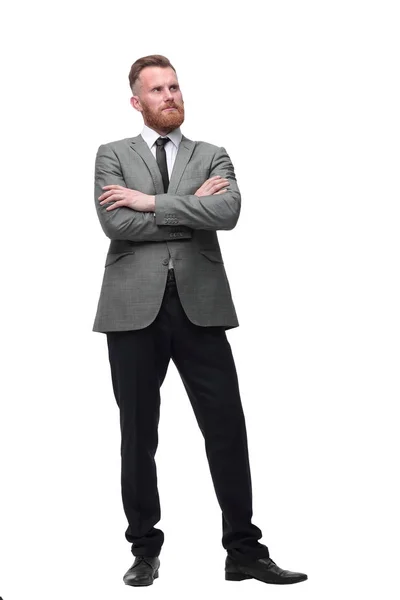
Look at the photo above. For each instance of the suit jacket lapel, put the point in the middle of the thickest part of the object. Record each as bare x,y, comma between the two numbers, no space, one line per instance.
184,153
139,145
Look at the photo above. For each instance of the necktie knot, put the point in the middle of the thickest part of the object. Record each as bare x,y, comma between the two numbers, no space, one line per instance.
162,141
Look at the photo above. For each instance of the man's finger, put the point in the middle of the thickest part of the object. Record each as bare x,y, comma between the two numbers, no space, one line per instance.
110,196
106,195
110,189
108,199
218,177
114,205
219,185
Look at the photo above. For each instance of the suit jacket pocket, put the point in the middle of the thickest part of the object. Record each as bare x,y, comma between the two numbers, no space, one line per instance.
213,255
112,258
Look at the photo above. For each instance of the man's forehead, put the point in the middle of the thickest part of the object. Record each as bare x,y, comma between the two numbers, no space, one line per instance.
158,76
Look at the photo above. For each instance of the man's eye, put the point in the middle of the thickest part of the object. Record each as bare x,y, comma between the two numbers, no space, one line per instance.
157,88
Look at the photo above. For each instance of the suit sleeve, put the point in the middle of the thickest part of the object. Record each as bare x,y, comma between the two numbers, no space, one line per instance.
213,212
124,223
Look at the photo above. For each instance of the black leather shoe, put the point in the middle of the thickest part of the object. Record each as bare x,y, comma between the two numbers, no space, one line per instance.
263,569
143,571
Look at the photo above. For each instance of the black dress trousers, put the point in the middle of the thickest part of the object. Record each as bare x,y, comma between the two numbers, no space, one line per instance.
139,360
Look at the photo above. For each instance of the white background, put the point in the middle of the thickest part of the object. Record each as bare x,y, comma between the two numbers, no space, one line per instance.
305,98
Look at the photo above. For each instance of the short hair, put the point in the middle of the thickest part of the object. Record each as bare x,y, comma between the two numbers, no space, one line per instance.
153,60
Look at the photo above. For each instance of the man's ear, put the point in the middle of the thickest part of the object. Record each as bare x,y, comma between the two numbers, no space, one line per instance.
135,102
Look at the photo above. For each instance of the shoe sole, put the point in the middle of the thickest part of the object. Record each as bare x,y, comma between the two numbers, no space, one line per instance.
133,584
229,576
236,576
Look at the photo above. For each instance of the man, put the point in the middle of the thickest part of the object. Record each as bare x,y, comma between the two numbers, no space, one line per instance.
165,294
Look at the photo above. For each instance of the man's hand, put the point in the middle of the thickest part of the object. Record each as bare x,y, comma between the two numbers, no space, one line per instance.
212,186
122,196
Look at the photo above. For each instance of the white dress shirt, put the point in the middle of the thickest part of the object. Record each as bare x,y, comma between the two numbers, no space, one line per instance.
171,149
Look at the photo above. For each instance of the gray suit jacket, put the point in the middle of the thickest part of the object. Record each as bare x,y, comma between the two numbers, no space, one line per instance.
184,228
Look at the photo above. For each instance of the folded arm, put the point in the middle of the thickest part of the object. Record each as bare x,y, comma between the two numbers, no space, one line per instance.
125,223
218,211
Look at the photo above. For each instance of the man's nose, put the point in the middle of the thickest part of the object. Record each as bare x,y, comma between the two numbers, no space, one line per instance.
168,95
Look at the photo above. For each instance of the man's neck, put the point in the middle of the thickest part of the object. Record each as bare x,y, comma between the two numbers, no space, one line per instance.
163,133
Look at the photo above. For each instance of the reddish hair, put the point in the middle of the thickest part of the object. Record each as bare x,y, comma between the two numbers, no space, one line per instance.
153,60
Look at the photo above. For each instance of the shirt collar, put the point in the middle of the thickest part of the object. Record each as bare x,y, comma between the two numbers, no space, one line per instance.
150,136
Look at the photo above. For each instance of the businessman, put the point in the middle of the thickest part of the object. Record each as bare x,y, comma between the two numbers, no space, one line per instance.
160,199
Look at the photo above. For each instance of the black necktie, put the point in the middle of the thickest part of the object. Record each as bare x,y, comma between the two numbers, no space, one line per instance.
162,160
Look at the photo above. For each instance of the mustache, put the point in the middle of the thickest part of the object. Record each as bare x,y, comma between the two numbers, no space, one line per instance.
172,106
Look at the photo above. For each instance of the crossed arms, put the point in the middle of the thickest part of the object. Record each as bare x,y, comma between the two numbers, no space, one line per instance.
212,212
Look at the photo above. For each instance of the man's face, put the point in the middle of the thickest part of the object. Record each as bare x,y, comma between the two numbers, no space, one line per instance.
159,90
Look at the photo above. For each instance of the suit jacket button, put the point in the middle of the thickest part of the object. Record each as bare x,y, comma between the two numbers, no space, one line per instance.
165,261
